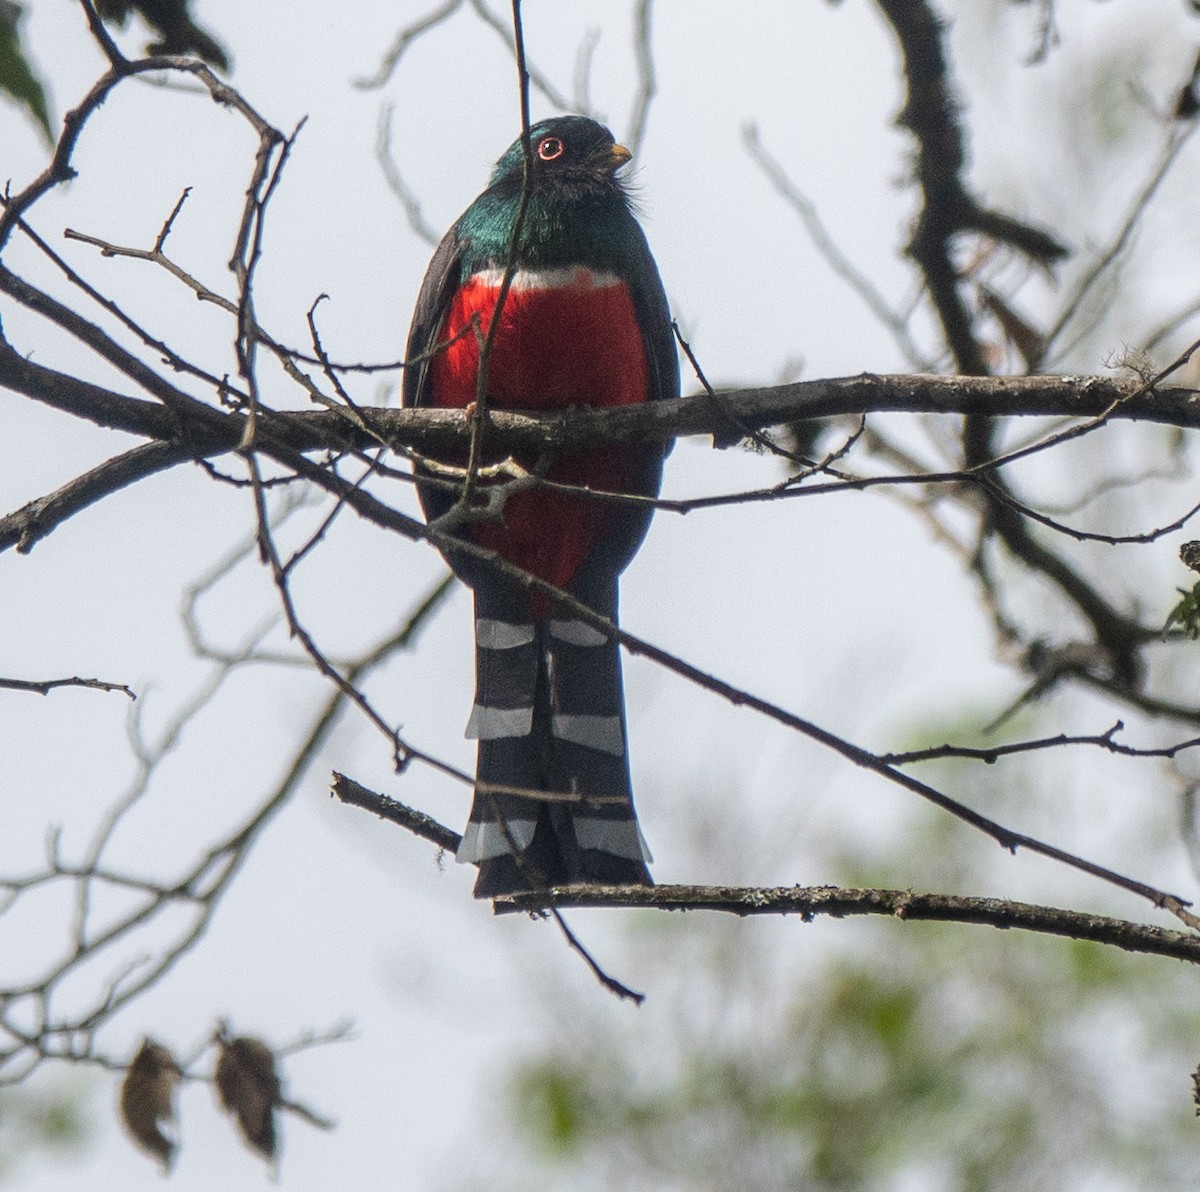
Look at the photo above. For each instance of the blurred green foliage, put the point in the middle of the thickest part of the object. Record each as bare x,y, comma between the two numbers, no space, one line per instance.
174,33
17,78
1186,614
944,1060
42,1121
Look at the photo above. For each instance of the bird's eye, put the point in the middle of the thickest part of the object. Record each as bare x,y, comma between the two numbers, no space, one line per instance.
550,148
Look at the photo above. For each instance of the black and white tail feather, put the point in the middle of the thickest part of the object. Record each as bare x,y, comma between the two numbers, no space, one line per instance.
549,718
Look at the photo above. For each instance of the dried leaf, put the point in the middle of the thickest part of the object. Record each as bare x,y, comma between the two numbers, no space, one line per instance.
248,1087
1026,338
1187,106
148,1099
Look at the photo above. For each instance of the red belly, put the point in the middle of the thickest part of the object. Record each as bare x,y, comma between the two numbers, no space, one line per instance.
573,343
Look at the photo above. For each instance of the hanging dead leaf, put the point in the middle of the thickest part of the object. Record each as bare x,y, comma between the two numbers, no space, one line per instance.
1187,105
1027,339
248,1087
148,1099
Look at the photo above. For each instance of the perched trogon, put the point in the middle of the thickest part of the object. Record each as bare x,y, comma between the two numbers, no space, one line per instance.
585,323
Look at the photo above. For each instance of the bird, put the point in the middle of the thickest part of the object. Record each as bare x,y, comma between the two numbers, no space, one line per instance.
585,323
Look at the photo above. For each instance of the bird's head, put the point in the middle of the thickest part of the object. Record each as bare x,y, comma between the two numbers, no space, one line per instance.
568,152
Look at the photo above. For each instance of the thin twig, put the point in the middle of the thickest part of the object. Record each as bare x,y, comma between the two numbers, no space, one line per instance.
896,323
609,982
643,50
1177,138
45,686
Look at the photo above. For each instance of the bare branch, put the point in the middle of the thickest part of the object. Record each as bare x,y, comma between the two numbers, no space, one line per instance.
993,753
643,49
354,794
200,887
896,322
1177,138
609,982
45,686
25,526
537,78
839,902
392,175
403,40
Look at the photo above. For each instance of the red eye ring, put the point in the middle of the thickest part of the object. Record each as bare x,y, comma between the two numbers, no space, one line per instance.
550,148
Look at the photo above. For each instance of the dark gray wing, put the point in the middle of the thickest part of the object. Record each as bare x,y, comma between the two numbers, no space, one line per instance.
441,280
654,316
437,290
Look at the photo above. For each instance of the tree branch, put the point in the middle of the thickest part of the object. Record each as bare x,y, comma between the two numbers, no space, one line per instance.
23,527
431,431
45,686
807,902
838,902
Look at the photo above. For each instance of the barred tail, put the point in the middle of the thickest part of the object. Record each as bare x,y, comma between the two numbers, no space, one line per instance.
549,716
